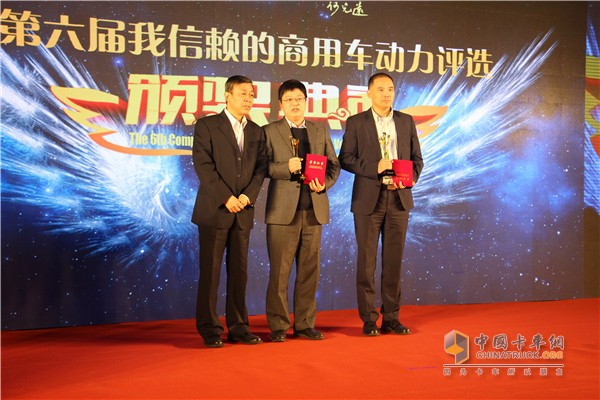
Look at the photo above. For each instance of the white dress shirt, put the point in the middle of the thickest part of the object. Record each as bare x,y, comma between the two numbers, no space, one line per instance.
238,128
385,126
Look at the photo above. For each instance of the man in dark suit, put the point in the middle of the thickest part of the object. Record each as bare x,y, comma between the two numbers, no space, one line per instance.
230,161
381,207
295,213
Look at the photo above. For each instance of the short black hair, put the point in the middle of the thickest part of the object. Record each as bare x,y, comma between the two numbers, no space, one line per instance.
290,85
236,80
378,75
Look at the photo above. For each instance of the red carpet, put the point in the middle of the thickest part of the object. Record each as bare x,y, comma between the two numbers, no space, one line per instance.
160,360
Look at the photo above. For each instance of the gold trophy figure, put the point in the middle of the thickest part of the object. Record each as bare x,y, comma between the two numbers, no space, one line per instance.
384,142
295,142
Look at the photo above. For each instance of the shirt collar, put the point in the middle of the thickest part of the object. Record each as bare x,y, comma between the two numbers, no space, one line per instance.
234,121
292,125
377,117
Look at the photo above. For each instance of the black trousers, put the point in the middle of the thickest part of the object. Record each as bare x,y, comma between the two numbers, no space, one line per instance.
213,244
390,221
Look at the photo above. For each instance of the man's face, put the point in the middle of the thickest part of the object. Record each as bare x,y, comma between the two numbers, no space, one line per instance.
240,100
381,93
293,104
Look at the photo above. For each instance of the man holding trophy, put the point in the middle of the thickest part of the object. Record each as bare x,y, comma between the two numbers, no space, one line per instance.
302,167
381,148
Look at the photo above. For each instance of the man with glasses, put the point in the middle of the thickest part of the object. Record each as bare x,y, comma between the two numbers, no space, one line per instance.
380,206
230,161
295,213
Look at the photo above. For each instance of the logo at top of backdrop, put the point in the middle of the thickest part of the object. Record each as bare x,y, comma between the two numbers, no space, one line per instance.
158,102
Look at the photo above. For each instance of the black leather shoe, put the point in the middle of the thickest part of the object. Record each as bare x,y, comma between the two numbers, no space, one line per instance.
309,333
213,341
370,329
245,338
277,336
394,327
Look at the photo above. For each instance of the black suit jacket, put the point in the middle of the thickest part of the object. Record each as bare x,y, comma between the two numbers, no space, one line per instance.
224,171
361,152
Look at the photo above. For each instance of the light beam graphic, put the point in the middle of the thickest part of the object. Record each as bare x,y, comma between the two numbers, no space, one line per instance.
122,203
141,205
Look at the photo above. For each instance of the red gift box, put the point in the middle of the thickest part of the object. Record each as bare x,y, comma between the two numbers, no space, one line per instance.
315,167
403,170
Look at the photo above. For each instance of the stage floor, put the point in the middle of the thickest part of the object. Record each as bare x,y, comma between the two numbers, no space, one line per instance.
166,359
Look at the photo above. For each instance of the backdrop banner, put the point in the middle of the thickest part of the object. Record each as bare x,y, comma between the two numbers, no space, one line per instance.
99,101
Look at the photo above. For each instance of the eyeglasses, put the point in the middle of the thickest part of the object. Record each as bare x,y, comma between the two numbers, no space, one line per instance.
295,100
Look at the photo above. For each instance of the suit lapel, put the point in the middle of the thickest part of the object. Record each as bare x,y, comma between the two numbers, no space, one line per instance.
312,137
371,130
248,131
284,131
227,131
398,126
